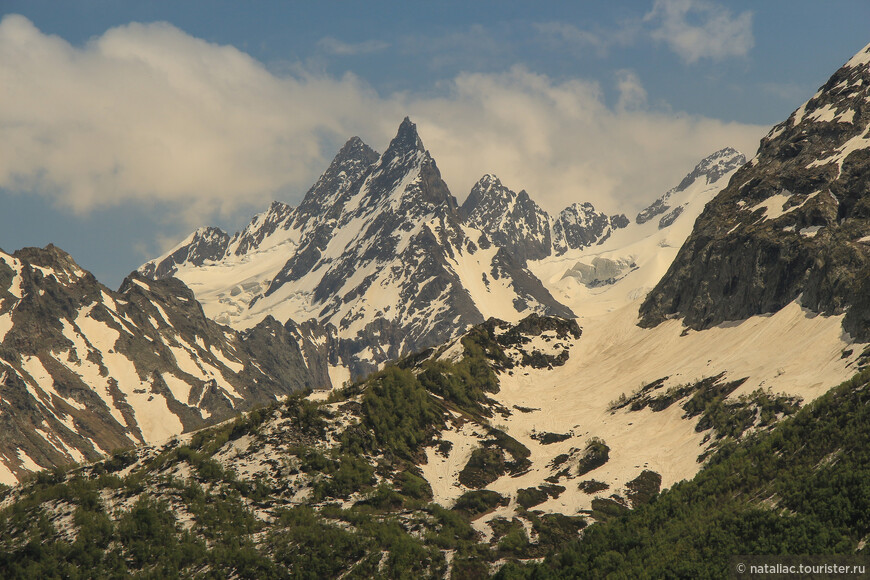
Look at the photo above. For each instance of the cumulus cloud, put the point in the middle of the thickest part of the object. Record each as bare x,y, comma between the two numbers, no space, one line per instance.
562,143
697,29
150,115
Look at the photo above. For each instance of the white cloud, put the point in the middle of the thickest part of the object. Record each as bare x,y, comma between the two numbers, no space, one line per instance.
150,115
339,48
697,29
562,143
632,95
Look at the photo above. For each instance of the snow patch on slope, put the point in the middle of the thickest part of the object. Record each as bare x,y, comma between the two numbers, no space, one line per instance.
793,351
649,248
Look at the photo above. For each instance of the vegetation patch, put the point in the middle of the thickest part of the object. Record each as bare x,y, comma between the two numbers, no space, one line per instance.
605,508
643,488
545,438
412,485
708,399
532,496
731,418
398,416
594,456
485,465
707,392
465,383
591,486
559,460
556,529
476,503
519,453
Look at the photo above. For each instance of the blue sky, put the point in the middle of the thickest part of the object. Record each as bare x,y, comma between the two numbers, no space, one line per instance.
128,124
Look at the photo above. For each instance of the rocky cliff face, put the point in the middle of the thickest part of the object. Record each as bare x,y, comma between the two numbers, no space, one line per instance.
207,243
513,221
580,226
85,370
510,220
792,223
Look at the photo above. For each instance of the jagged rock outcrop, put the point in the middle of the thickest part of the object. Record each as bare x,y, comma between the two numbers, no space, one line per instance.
514,222
580,226
510,220
208,243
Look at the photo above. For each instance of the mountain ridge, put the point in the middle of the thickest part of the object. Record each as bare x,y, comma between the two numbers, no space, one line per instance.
790,223
85,370
392,227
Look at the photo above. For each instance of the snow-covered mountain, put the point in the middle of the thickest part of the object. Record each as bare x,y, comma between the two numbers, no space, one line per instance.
629,260
643,382
709,171
513,221
377,249
534,427
621,402
792,225
85,370
597,406
510,220
378,261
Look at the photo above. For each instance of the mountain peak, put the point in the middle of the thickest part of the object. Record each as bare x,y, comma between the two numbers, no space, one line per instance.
356,148
406,140
580,225
206,243
54,259
489,192
349,164
510,220
35,254
711,168
489,180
